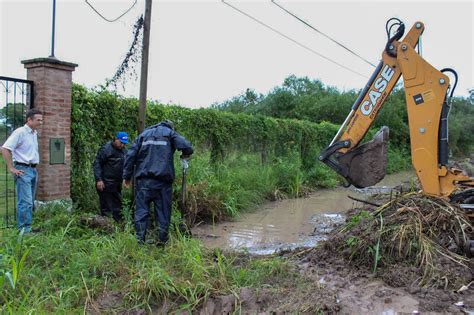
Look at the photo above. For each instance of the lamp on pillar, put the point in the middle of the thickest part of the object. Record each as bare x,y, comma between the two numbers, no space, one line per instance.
53,31
53,97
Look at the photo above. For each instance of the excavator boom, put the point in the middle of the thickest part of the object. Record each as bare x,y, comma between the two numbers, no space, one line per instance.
426,91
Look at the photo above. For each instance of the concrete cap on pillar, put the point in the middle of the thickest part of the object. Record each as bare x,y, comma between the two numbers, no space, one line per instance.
47,61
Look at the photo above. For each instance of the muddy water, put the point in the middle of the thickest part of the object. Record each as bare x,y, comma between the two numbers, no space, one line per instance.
291,223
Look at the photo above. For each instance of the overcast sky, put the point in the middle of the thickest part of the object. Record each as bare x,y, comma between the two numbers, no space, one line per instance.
204,51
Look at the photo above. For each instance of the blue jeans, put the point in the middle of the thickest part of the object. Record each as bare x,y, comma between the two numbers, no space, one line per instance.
25,193
160,193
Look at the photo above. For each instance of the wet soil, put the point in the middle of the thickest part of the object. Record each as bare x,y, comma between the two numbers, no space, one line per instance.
318,282
321,282
98,223
360,291
328,282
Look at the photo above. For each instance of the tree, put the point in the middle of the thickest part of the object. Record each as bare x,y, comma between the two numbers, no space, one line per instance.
12,116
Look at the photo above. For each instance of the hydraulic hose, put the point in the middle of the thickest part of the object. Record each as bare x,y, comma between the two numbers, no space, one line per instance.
398,34
443,133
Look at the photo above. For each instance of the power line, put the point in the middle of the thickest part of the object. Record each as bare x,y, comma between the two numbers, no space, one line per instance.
294,41
113,20
325,35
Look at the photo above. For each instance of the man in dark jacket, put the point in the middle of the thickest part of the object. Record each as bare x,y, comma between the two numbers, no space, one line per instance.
108,168
152,156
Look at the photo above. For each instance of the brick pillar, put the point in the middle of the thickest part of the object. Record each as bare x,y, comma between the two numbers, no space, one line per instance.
53,96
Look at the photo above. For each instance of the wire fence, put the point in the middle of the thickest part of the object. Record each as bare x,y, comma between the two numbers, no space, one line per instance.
16,96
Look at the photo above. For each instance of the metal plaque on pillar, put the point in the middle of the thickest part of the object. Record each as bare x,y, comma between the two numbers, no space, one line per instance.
56,150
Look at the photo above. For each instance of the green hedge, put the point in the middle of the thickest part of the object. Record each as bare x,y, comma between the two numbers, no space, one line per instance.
96,116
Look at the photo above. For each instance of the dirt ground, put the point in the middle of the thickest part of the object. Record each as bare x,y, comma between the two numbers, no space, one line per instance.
323,281
328,284
359,291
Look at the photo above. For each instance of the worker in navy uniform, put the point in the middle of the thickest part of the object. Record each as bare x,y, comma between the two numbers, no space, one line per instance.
108,168
152,156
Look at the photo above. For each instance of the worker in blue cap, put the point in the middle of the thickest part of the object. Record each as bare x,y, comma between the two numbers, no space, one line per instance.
108,168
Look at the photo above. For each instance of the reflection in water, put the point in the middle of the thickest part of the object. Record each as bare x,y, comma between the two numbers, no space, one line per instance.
291,223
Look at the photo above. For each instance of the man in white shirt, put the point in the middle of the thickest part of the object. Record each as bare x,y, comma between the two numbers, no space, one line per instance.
20,152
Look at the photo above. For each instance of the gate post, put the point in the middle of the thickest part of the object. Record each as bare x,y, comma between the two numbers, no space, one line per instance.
53,97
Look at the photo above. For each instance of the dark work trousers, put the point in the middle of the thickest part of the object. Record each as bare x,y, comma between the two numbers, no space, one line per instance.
160,193
111,204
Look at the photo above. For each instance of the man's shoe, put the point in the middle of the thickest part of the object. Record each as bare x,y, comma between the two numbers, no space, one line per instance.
161,244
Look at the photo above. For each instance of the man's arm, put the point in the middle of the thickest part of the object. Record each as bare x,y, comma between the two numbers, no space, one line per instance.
97,167
7,156
12,142
182,144
129,163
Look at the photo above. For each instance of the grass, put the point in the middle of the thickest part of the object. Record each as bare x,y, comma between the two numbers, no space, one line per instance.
7,196
238,183
398,160
68,266
241,182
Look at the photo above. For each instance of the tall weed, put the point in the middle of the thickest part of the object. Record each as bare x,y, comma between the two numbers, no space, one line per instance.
68,262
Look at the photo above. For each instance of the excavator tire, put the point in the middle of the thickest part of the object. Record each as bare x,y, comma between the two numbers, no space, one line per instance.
466,197
463,196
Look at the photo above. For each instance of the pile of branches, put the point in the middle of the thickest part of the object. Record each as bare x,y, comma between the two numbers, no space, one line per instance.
202,207
427,233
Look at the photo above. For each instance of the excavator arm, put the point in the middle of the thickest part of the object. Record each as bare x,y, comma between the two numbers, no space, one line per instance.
426,91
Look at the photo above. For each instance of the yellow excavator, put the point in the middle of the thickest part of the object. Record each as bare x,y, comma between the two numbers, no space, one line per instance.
428,98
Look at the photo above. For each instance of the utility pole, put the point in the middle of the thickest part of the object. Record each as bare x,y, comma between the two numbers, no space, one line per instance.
144,70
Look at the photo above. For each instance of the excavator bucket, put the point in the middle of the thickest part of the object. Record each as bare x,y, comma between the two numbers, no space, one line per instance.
366,165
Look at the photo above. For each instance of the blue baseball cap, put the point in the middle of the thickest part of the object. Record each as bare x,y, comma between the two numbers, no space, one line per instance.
123,137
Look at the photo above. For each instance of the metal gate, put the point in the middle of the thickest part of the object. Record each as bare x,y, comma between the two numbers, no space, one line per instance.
16,97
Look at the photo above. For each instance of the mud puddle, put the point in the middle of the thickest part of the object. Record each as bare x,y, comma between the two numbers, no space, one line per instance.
292,223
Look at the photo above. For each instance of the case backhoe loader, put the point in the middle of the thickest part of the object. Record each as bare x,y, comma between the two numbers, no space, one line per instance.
428,95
